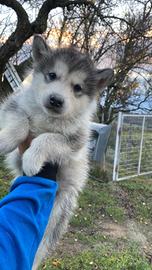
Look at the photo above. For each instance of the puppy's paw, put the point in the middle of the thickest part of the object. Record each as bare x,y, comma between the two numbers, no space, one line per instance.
31,164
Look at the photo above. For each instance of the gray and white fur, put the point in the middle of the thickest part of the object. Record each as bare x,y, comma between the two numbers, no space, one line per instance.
56,109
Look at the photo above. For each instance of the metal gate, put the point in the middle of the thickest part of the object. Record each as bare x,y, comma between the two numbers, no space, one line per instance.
133,150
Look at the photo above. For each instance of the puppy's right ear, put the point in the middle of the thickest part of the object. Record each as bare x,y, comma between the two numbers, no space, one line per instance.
39,49
104,77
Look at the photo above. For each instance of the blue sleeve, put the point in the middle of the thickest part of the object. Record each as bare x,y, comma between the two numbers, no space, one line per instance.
24,214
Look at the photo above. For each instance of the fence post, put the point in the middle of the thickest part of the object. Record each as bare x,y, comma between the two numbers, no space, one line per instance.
117,147
141,145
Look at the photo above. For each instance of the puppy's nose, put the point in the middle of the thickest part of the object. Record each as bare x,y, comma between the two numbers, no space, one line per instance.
56,101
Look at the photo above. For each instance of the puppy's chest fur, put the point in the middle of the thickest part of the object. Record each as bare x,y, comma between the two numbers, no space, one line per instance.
40,124
76,137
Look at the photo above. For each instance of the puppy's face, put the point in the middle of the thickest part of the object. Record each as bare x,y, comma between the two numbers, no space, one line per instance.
65,81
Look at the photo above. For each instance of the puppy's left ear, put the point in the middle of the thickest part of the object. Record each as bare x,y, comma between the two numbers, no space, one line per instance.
40,48
104,77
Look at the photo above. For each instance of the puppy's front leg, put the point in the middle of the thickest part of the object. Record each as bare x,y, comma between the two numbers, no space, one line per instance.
47,147
14,133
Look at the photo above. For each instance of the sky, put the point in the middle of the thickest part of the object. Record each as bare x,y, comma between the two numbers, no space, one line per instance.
121,8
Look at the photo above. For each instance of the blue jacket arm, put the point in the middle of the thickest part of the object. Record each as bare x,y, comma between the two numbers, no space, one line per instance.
24,215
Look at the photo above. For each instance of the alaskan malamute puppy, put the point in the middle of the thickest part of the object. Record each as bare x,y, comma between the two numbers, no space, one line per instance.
56,109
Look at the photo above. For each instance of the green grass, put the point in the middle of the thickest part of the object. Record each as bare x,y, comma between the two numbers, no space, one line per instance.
139,194
4,187
86,246
90,238
102,258
97,200
4,179
101,202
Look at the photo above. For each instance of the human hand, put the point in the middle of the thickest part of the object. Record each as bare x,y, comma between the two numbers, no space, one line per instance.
23,146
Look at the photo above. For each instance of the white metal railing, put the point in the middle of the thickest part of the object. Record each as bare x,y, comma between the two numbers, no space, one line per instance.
133,149
12,77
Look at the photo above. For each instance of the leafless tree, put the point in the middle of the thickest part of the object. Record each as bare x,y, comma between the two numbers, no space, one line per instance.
25,28
133,50
124,42
120,40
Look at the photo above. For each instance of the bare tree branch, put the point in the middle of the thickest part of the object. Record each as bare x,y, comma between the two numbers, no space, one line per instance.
25,29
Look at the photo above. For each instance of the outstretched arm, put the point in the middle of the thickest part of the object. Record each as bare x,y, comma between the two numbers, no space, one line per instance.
15,131
24,214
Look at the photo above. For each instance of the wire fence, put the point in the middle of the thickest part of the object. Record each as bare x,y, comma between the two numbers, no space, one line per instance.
130,150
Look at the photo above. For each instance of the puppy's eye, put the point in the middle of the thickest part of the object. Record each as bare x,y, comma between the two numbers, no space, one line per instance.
51,76
77,88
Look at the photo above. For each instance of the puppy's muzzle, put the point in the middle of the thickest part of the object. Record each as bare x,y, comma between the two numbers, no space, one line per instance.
55,103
